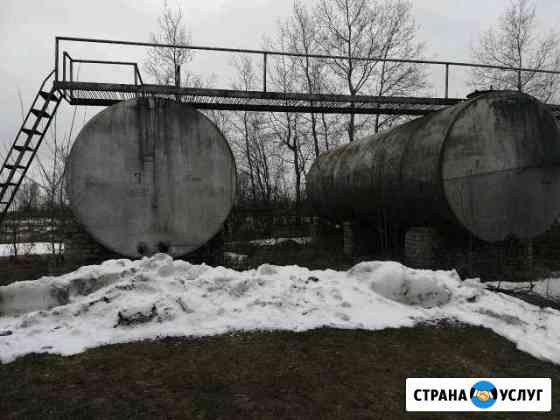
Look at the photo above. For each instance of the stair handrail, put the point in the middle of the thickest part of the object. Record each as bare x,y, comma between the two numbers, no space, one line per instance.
26,118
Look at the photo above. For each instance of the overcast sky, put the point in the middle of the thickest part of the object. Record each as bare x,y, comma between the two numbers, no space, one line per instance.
28,29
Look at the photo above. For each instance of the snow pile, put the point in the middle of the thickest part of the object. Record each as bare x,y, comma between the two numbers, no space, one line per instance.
123,300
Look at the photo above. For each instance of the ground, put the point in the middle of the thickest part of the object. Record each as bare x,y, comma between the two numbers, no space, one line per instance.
324,373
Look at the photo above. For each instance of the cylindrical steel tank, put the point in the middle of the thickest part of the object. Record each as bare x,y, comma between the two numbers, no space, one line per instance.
490,164
151,175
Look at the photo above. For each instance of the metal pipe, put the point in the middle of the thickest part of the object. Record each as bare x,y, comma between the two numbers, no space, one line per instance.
64,57
139,75
447,81
264,72
124,63
56,58
71,74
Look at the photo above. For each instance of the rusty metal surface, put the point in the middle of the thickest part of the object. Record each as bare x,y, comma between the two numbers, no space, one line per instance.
151,175
490,165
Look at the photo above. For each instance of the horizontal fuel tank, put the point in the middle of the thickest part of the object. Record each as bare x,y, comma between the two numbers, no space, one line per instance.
151,175
490,164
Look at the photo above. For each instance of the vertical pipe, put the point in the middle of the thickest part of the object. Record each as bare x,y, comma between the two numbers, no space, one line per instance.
519,80
135,80
264,72
56,59
71,74
447,81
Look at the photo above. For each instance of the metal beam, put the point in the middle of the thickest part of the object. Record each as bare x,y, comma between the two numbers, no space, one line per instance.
105,94
275,108
275,96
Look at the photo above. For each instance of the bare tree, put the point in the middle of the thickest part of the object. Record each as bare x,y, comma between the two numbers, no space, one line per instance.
246,76
517,42
350,29
286,127
398,41
252,143
52,177
302,32
28,197
163,62
370,29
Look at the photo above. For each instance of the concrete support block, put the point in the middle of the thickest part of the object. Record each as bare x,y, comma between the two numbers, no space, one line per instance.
422,247
320,231
357,239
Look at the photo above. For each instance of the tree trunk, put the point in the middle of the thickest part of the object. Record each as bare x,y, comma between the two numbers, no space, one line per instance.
249,159
297,173
351,127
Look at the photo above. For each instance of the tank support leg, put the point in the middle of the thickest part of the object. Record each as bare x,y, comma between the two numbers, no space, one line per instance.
357,239
422,246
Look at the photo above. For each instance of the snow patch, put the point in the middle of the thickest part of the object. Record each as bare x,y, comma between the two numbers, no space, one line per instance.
30,248
275,241
122,301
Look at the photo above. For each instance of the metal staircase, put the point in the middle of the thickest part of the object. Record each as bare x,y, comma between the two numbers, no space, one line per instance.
27,142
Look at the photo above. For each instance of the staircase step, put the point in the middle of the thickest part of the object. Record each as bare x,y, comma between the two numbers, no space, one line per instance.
39,113
48,96
8,166
24,149
31,132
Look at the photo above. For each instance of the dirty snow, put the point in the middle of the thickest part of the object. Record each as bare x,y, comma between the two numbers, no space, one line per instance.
122,300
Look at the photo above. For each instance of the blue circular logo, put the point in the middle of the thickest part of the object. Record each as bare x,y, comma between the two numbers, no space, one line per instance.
483,394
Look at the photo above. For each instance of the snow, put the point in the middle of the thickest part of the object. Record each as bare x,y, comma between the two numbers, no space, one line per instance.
122,301
275,241
28,248
237,258
547,288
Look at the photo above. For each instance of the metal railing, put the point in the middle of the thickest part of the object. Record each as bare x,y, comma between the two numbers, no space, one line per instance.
446,65
68,70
